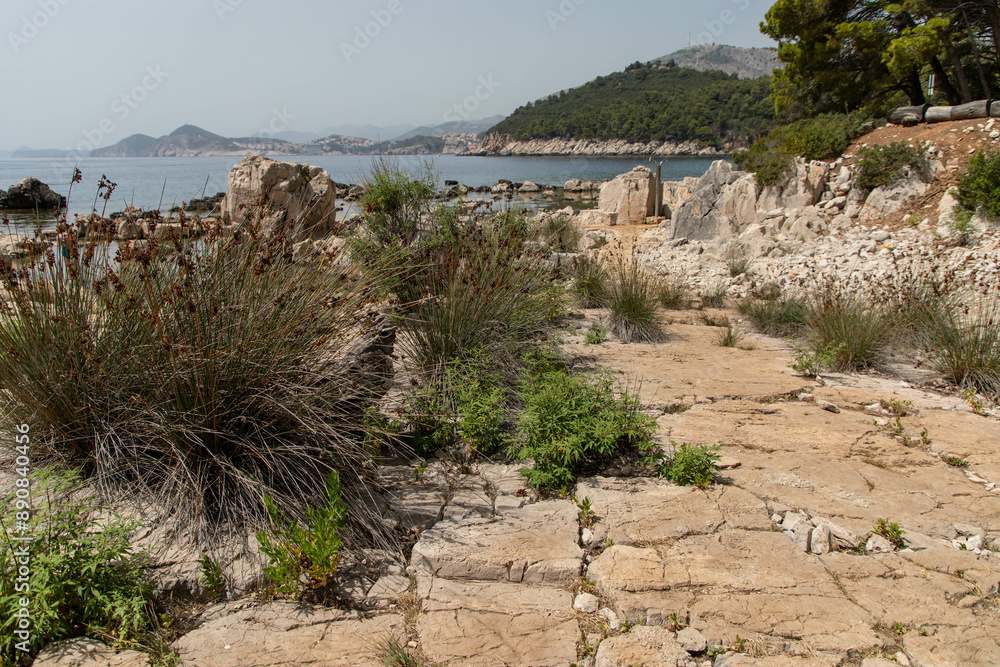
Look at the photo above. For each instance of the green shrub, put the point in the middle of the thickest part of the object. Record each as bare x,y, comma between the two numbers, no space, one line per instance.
818,138
964,342
730,336
632,297
590,282
596,335
780,316
960,226
394,202
979,186
303,555
560,233
84,576
714,296
691,465
853,330
674,295
890,531
203,375
576,424
884,165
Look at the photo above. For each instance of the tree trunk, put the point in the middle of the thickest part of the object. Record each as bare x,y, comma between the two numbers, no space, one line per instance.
975,52
956,65
992,13
914,90
945,83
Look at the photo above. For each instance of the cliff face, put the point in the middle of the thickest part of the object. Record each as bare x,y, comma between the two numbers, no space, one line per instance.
500,144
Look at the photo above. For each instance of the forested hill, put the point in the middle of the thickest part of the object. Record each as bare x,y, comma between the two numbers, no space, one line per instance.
653,102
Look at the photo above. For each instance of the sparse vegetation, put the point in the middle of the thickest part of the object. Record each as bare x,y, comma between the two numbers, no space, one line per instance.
632,298
890,531
979,186
674,295
590,282
596,335
819,138
689,465
964,341
730,336
778,316
852,331
738,261
885,165
955,461
714,296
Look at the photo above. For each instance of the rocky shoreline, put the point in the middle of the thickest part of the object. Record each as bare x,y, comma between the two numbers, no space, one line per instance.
503,146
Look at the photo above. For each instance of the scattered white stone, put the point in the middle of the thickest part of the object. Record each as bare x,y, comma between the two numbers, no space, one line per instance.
586,603
828,406
692,641
821,541
878,545
777,518
587,537
611,618
974,543
803,536
967,529
792,519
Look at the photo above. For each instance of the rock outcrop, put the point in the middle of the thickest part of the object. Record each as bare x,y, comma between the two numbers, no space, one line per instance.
630,198
299,198
496,144
31,194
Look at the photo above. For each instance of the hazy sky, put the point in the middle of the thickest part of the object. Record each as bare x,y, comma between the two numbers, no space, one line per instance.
77,71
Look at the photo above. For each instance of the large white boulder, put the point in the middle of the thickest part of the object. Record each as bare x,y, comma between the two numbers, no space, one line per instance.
299,197
630,198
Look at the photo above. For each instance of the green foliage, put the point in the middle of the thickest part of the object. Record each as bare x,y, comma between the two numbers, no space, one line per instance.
778,316
650,104
964,341
84,576
714,296
587,514
897,407
730,336
690,465
955,461
632,297
573,424
960,226
394,201
464,405
596,335
738,261
853,330
394,653
201,374
590,282
304,555
979,186
560,234
674,295
815,361
885,165
819,138
890,531
211,576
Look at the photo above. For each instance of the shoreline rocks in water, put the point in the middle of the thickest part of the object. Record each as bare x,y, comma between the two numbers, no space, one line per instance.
31,194
505,146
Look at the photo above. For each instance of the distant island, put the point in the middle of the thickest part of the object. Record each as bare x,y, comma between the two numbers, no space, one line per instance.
192,141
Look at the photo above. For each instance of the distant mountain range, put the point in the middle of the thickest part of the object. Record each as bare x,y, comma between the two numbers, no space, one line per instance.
193,141
743,62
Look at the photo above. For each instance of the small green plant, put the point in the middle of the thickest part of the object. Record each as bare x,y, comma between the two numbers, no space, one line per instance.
590,282
211,576
979,186
960,226
674,295
84,578
714,296
925,438
896,426
955,461
573,424
419,471
899,628
304,555
775,316
890,531
587,586
972,398
738,261
884,165
675,623
596,335
632,297
812,362
730,336
587,515
690,465
896,407
394,653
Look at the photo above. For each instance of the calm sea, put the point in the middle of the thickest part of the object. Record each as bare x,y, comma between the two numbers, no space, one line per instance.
143,182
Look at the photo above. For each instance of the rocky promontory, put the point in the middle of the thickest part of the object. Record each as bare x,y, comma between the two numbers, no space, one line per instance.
503,145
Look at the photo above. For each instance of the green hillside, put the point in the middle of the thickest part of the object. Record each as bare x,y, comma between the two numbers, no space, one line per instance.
651,102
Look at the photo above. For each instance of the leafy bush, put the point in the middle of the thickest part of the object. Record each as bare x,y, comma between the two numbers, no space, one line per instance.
394,202
590,282
84,576
596,335
691,465
890,531
960,226
202,375
818,138
853,330
884,165
304,555
632,297
979,186
573,424
779,316
964,342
